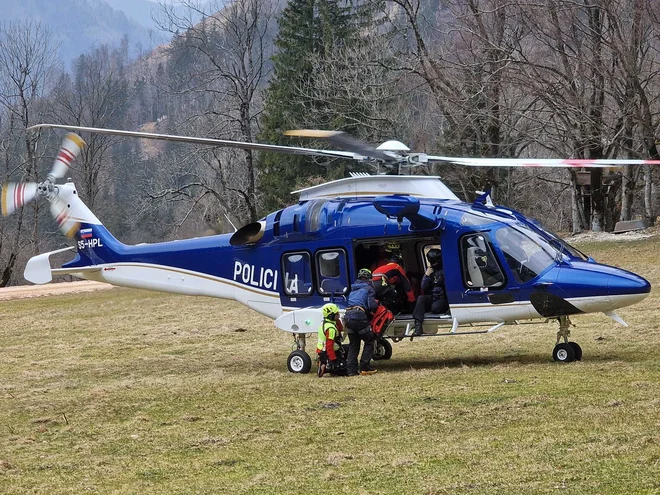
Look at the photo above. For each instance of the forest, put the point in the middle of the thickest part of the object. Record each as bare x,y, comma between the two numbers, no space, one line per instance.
489,78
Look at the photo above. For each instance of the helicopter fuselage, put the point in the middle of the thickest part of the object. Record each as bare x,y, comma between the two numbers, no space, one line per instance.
308,254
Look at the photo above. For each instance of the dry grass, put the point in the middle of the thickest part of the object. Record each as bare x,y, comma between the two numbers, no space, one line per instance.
125,391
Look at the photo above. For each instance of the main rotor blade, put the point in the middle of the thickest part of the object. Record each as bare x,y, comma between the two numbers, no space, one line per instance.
207,141
540,162
71,146
346,141
14,195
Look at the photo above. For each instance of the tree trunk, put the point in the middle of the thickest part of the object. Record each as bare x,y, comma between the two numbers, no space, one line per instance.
577,208
627,193
648,196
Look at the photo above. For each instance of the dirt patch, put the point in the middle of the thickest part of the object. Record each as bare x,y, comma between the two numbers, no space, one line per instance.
610,237
23,291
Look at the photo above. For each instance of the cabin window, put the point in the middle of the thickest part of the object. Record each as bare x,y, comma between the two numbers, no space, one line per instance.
480,266
425,250
524,255
297,272
332,272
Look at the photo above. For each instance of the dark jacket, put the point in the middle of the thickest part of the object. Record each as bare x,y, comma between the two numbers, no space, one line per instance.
363,295
434,285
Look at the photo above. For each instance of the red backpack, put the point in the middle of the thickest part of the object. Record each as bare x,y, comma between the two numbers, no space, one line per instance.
381,318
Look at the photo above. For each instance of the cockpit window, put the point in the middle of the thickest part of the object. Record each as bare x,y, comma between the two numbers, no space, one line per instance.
480,267
526,253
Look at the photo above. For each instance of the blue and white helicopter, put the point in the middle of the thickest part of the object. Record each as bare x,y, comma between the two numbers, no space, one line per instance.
500,267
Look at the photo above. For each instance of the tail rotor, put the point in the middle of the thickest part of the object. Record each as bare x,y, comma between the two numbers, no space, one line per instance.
16,195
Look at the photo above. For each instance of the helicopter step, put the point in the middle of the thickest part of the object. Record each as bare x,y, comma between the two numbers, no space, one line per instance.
403,326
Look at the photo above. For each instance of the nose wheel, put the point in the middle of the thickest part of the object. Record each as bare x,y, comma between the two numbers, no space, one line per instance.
566,352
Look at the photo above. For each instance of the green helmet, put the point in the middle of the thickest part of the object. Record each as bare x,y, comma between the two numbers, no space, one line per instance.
329,310
365,273
392,247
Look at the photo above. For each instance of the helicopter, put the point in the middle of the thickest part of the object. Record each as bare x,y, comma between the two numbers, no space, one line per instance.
501,268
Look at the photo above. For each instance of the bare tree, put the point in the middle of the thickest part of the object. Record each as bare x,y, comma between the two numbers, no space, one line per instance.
634,71
26,62
95,95
465,54
218,67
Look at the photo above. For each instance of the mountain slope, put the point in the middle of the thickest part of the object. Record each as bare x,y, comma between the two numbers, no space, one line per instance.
78,25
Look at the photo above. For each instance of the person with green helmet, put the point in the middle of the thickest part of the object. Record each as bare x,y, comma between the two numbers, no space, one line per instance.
329,341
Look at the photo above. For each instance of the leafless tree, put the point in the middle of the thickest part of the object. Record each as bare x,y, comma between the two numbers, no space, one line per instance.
633,41
96,95
464,52
218,68
26,63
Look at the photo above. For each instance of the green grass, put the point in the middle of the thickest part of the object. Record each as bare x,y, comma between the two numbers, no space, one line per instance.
126,391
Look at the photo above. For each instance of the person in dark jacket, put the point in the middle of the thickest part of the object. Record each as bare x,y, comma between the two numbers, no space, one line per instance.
361,305
434,298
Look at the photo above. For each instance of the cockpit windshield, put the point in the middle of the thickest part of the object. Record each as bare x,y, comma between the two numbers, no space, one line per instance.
526,252
560,244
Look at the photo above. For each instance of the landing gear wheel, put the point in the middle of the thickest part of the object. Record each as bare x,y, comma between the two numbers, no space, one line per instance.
299,362
577,349
382,351
563,353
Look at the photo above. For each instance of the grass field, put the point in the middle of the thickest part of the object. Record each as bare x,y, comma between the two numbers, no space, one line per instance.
126,391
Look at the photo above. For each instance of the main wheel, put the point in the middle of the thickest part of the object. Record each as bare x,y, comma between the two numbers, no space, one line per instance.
563,353
299,362
577,349
383,350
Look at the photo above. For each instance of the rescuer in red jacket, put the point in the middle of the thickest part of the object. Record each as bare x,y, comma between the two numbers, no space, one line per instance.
397,295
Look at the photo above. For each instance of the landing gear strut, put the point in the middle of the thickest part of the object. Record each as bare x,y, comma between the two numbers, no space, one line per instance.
566,351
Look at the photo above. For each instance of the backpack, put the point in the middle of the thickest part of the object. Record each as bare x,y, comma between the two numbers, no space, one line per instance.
380,320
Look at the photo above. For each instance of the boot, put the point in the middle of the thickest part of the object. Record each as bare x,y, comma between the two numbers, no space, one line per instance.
418,329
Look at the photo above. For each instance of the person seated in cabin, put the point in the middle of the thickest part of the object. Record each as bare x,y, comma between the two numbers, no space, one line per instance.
434,298
394,289
328,348
362,304
490,272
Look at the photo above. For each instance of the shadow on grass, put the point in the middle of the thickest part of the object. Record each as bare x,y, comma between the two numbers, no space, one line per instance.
406,364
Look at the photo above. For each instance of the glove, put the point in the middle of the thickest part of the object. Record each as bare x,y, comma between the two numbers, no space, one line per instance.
331,365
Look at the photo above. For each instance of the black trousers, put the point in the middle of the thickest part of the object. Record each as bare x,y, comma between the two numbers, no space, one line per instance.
354,341
426,303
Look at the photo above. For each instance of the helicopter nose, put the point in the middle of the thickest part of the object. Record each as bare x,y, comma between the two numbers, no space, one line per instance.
626,288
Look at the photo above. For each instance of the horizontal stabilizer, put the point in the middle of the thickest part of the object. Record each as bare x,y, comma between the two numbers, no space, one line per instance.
38,269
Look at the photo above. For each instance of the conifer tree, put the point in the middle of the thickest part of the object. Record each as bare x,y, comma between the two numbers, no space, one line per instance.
310,31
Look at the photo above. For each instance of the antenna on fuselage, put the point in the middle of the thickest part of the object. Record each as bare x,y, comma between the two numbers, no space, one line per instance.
230,222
